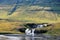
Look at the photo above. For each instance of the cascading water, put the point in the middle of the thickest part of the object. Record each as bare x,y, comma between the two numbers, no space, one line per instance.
29,31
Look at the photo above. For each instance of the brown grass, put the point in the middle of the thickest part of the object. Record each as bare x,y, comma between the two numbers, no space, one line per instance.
6,26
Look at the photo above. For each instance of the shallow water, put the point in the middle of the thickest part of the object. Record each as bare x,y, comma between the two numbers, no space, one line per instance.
25,37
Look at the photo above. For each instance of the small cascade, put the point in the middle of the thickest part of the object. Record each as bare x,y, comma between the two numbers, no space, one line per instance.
29,31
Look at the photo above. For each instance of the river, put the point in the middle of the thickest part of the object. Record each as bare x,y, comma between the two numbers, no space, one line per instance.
25,37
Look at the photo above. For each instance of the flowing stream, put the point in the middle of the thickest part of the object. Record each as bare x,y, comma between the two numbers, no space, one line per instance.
25,37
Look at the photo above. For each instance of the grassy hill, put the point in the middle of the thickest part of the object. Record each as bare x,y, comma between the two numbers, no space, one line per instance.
44,12
30,11
35,14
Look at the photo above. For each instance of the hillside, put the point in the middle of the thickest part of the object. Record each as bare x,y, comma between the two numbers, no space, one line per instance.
30,11
34,14
31,14
14,13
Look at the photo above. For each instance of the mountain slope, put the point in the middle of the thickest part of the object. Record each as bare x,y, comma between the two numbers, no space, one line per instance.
30,11
34,14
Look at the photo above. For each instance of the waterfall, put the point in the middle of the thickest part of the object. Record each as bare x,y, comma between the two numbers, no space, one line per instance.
29,31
